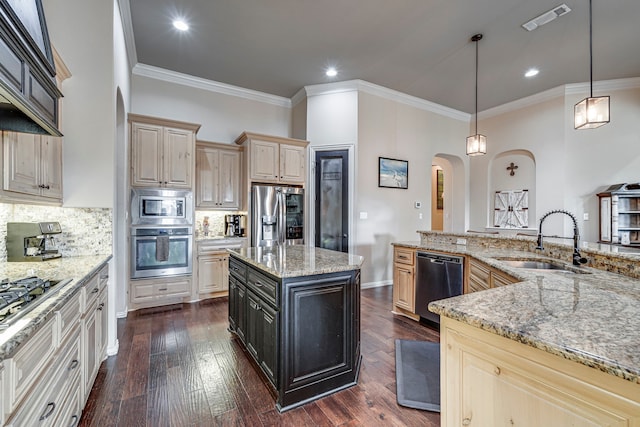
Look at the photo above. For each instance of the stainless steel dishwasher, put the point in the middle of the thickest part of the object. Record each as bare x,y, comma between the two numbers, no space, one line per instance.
438,276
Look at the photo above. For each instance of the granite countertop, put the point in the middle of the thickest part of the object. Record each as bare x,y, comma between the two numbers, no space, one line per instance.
78,269
591,318
298,260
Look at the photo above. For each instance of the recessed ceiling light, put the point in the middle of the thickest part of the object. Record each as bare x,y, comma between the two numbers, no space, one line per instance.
180,25
331,72
531,72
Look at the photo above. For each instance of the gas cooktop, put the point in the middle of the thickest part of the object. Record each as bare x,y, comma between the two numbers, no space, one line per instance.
19,297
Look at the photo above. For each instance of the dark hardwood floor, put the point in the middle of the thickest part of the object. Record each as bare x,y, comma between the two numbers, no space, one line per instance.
179,366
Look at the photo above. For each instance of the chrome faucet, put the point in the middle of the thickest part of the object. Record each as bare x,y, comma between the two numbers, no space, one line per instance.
577,258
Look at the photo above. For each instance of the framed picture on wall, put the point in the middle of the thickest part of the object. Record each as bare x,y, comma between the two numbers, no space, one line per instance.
439,189
393,173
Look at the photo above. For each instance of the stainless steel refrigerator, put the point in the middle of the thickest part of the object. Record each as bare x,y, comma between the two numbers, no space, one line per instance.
277,215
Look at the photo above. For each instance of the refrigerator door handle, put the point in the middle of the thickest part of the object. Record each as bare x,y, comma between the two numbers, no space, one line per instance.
280,208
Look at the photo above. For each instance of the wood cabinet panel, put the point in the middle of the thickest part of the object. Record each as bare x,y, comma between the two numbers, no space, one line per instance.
292,163
162,152
218,177
492,380
404,282
265,164
213,273
482,277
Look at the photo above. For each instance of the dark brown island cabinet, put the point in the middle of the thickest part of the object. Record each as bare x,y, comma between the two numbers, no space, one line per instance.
296,310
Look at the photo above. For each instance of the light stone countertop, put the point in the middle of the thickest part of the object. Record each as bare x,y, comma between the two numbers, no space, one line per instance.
298,260
78,269
591,318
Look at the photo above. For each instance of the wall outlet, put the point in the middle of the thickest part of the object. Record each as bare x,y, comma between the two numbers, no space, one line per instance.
364,215
417,205
420,215
460,241
585,216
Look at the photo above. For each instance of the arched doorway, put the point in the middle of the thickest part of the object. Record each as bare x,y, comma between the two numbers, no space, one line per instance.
448,194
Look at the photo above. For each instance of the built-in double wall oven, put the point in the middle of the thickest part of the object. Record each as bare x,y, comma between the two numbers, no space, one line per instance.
161,233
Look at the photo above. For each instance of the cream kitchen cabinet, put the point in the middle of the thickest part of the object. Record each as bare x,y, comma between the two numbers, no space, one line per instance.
162,152
273,159
94,327
32,166
218,176
482,277
404,283
157,291
212,267
492,380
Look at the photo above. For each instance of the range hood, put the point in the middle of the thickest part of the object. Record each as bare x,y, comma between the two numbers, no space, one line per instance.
28,92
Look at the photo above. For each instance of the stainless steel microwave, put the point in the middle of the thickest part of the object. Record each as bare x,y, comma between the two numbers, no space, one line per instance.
161,207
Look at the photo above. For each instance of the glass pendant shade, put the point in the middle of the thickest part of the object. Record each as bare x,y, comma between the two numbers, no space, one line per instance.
591,113
476,145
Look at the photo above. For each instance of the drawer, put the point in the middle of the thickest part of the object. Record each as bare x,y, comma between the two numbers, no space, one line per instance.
479,270
103,276
147,290
238,269
24,368
47,401
69,315
263,286
404,256
90,292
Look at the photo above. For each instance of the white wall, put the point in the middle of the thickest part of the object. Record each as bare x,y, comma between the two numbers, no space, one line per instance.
223,117
523,178
82,32
571,165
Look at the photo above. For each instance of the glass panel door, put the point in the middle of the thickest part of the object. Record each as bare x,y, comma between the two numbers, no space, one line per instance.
332,200
294,213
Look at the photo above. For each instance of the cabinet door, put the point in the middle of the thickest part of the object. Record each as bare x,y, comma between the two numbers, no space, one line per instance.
264,161
89,335
478,276
51,156
101,328
404,287
146,143
22,162
292,163
213,273
229,179
178,158
233,303
207,183
241,320
269,331
254,330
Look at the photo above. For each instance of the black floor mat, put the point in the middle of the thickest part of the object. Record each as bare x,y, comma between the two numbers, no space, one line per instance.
418,374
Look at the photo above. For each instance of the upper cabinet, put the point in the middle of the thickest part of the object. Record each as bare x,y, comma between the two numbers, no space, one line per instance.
272,159
27,72
218,176
32,165
620,214
162,152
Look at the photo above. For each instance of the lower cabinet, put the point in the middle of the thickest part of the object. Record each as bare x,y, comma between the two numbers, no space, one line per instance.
159,291
213,273
404,282
492,380
48,378
302,332
482,276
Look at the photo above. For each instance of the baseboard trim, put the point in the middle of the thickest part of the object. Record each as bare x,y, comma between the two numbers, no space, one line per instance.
113,350
379,284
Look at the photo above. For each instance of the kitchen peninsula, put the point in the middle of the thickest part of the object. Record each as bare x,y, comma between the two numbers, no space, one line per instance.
296,310
560,347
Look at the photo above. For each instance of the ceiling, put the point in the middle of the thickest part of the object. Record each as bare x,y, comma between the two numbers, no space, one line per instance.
418,47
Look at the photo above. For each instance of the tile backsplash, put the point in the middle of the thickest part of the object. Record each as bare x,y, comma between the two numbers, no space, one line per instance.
85,231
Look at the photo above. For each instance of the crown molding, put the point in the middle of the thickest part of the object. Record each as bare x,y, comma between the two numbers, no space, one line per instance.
383,92
127,28
561,91
210,85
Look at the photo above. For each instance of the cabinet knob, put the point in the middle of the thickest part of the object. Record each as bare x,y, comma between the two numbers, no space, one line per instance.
74,421
100,307
497,370
73,365
466,421
95,290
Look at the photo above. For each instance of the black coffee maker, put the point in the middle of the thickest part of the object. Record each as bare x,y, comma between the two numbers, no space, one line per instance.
235,225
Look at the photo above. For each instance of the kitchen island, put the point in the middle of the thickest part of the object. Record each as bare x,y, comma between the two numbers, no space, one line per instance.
558,348
296,311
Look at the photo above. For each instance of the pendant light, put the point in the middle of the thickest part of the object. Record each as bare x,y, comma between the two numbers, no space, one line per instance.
476,144
591,113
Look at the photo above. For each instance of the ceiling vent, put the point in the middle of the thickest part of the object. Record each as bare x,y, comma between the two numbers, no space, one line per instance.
546,17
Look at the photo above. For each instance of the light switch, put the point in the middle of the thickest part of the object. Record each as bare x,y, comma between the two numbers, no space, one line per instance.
420,215
585,216
364,215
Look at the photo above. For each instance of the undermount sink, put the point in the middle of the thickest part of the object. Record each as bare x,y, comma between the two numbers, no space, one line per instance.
542,265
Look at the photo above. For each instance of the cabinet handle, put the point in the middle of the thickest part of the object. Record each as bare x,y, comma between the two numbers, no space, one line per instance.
403,257
162,289
73,365
101,306
466,421
44,187
95,290
258,284
51,406
74,421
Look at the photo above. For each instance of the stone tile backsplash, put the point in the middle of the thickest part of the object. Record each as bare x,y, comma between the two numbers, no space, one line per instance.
85,231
